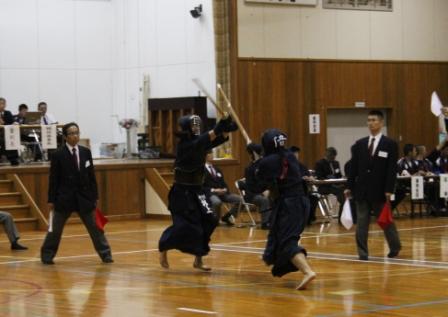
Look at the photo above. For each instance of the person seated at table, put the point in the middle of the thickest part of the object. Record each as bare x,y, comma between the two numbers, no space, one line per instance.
20,117
425,166
406,166
46,118
329,168
6,118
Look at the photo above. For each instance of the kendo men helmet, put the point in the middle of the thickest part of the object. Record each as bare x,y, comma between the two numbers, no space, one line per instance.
191,124
273,140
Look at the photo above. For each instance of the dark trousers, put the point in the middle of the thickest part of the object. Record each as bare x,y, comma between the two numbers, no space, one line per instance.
363,212
53,238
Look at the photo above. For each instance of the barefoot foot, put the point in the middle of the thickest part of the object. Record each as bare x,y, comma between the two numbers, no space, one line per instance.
306,280
163,259
198,264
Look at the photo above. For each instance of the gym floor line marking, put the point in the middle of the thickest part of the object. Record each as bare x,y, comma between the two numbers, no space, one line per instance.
199,311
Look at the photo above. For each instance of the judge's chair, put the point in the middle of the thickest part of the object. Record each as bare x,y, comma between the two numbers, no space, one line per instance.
244,205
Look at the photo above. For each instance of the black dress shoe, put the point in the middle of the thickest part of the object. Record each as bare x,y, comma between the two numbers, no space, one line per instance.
363,258
18,247
14,162
108,260
393,254
227,218
47,262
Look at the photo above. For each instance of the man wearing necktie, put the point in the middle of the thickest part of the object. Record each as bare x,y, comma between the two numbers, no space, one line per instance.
72,188
218,191
371,180
47,118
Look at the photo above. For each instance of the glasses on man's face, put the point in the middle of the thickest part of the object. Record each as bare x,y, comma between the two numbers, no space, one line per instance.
73,133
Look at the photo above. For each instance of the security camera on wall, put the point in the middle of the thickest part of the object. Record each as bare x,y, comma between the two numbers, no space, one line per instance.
196,12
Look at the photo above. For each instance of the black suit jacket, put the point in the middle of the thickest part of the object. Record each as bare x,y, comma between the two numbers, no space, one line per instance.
8,118
214,182
71,189
323,169
371,177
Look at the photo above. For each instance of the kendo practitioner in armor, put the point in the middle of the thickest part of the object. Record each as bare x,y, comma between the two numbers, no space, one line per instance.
193,219
280,170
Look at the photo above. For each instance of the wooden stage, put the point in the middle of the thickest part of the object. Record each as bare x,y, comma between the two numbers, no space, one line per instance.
416,284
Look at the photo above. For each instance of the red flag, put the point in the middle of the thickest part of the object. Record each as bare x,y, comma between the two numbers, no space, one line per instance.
385,217
100,219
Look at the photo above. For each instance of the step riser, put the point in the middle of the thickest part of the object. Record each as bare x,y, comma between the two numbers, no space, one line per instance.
5,187
10,200
18,213
27,226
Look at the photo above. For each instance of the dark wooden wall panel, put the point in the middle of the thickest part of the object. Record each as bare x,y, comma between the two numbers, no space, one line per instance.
281,93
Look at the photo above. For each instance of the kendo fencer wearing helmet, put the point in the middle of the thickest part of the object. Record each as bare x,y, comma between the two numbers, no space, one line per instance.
193,219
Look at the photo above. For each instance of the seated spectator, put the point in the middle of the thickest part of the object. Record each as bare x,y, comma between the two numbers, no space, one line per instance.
20,118
255,192
329,168
6,118
11,231
47,118
441,163
406,166
439,159
306,176
218,191
425,166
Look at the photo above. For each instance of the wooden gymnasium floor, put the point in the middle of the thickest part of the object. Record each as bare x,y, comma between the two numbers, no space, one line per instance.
240,285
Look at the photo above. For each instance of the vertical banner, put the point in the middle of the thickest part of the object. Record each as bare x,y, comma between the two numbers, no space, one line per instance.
49,140
443,185
417,187
12,137
314,123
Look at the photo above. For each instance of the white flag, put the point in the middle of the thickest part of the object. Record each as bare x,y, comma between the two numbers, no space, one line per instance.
436,104
12,137
49,140
346,216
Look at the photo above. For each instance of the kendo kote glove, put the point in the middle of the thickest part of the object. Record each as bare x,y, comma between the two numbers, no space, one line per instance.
222,125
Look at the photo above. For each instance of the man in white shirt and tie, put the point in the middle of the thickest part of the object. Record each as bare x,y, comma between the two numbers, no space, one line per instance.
371,181
47,118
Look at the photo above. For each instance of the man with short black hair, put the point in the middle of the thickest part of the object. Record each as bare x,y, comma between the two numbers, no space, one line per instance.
72,188
20,117
47,118
371,180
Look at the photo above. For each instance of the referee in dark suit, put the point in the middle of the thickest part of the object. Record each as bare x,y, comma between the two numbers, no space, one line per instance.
371,179
72,188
